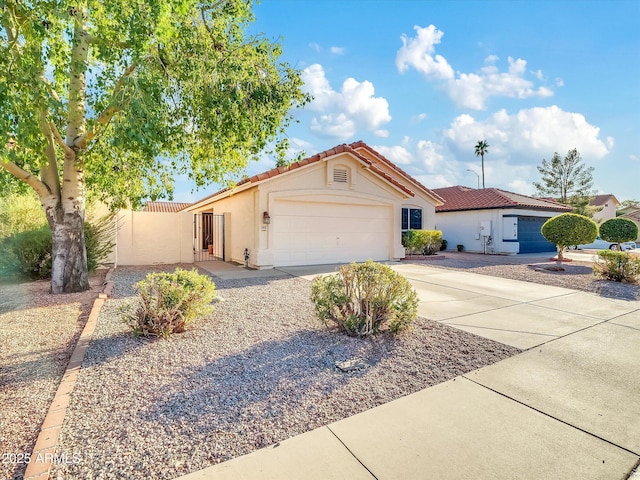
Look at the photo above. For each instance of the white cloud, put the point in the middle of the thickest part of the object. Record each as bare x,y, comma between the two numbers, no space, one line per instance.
472,90
430,156
397,154
468,90
633,158
418,53
381,133
521,186
529,135
342,113
418,118
338,50
314,46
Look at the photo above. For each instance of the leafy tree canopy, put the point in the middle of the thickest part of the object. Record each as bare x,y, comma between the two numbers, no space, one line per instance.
568,180
140,91
569,229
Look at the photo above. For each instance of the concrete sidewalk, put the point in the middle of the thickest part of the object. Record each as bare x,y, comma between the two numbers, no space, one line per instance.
567,408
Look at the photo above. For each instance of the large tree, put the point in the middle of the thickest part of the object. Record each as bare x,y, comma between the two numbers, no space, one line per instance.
116,97
482,148
567,179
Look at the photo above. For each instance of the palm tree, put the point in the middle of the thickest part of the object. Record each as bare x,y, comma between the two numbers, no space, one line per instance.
482,147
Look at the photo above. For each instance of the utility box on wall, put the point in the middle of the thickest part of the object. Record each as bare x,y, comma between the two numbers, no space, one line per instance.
485,228
510,228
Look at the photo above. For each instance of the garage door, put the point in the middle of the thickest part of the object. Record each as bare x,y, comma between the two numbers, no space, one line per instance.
313,233
530,237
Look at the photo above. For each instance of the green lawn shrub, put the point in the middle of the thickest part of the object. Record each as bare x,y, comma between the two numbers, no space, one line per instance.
617,266
422,242
363,298
619,230
569,229
168,302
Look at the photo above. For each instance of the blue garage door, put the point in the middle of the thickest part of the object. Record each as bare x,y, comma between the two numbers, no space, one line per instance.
530,237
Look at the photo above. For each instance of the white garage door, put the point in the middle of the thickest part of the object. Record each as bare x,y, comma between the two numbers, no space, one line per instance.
313,233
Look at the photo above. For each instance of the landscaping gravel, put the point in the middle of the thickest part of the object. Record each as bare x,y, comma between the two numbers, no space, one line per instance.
261,369
38,332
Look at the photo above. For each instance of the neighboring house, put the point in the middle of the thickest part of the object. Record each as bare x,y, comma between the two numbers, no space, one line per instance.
165,207
494,221
345,204
609,204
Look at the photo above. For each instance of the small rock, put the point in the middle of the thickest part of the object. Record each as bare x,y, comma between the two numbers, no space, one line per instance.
351,365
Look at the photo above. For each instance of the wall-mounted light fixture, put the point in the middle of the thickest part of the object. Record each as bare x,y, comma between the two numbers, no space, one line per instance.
266,219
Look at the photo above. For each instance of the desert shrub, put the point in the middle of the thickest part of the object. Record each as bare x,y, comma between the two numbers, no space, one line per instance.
425,242
168,302
617,266
619,230
569,229
20,213
28,253
362,298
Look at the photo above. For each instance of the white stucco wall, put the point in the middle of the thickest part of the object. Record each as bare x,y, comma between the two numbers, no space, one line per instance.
464,228
607,212
148,238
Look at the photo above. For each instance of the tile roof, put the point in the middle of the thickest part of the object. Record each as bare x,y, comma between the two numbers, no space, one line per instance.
344,148
463,198
600,200
165,207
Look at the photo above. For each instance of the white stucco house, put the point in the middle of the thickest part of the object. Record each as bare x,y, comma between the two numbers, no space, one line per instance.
348,203
491,220
609,204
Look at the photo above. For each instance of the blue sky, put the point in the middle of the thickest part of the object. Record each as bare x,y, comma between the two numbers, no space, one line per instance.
423,81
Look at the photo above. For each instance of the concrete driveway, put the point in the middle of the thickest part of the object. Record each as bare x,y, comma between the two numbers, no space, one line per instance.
568,407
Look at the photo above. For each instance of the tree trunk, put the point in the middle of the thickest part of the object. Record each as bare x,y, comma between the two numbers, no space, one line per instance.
482,170
69,255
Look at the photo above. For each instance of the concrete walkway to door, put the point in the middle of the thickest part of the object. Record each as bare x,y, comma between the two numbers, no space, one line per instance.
568,407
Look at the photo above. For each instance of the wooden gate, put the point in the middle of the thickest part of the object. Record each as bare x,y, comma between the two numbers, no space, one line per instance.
208,237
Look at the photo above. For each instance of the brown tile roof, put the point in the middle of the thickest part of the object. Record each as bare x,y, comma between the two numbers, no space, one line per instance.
460,198
600,200
165,207
344,148
632,214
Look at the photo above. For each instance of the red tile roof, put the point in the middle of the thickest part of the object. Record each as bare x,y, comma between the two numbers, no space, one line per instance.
352,149
166,207
460,198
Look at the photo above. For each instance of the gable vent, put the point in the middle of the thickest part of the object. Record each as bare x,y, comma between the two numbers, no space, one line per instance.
339,175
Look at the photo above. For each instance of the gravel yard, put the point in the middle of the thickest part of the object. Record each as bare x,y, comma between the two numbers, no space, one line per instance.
260,370
37,335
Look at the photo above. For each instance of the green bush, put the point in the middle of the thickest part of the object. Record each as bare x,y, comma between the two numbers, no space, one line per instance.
426,242
28,253
569,229
617,266
362,298
619,230
20,213
168,302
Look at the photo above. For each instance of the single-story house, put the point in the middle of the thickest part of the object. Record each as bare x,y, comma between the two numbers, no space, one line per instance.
348,203
492,220
609,204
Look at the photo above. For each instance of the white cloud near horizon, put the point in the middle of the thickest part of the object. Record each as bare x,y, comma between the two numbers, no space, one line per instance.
468,90
340,114
528,135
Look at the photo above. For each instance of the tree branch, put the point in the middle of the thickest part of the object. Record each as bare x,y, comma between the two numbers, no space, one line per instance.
105,117
30,179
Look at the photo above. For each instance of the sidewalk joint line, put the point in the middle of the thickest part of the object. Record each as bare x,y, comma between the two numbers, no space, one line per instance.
352,454
552,416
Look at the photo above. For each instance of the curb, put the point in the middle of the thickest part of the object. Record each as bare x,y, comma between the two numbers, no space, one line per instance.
44,451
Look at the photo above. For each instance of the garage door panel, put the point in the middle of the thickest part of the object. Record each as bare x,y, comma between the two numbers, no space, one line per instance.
314,232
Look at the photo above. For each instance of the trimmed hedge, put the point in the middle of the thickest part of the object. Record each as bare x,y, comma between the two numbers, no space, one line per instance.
619,230
425,242
569,229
